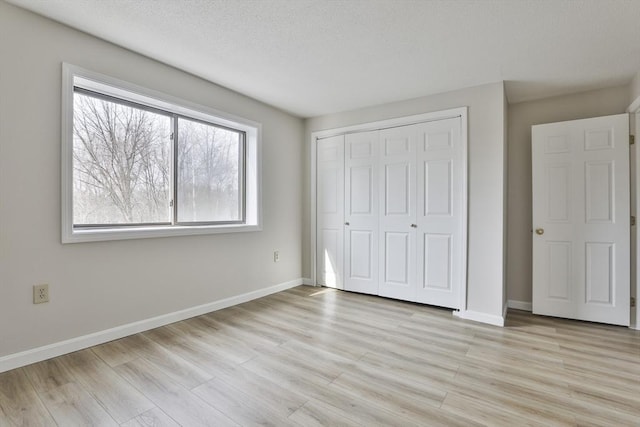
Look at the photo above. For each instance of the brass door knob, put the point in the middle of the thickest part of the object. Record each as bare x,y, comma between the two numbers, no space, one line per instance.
539,231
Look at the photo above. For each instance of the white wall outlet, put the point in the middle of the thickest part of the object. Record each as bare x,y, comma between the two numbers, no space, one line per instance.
276,256
40,294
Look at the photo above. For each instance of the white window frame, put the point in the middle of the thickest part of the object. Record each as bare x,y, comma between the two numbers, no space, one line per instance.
76,76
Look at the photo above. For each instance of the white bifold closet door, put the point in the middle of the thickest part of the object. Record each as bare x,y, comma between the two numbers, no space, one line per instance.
422,217
361,212
330,212
398,213
440,207
402,223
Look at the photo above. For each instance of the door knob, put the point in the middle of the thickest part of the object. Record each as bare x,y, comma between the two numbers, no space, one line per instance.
539,231
414,225
346,223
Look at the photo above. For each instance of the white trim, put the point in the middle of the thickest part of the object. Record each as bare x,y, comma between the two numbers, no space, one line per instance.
308,282
389,123
461,112
106,234
477,316
634,122
465,194
635,106
519,305
27,357
313,213
72,75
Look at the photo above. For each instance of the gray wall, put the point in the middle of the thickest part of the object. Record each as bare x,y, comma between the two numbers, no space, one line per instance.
521,117
486,197
96,286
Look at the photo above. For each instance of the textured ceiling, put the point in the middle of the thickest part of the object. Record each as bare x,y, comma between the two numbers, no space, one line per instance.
312,57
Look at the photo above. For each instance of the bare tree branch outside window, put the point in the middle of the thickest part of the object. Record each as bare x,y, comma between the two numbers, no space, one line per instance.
122,166
122,163
208,178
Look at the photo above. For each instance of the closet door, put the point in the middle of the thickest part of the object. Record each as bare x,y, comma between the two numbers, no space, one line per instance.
361,212
330,212
440,205
398,213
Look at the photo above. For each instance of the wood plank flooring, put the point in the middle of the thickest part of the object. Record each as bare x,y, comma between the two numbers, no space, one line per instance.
319,357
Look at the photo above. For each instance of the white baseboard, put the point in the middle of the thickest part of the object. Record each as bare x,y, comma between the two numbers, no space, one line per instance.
307,281
477,316
519,305
28,357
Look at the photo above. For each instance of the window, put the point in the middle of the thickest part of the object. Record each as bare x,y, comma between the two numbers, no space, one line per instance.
121,163
137,163
210,163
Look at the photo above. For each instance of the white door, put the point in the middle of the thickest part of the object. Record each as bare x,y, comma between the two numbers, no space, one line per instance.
330,212
398,213
440,208
581,219
361,213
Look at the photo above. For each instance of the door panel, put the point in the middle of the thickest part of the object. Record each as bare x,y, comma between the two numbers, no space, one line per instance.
331,262
360,260
397,143
441,256
398,195
397,187
558,177
560,265
600,261
437,261
397,253
330,212
328,190
581,210
599,191
438,187
361,212
361,186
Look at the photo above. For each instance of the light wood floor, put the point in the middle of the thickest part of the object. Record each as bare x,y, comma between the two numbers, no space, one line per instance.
312,356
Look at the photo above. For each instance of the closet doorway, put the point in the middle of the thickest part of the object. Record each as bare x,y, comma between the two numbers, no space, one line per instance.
390,208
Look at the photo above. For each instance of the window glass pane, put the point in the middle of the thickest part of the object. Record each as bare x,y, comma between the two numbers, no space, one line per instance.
121,163
209,171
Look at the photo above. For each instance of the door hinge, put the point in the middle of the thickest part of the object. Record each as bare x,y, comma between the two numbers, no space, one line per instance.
632,139
633,302
633,220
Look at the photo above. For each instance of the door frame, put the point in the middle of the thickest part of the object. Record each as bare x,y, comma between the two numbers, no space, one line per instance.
461,112
634,170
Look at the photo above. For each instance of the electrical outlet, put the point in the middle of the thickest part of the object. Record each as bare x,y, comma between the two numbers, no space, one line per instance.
40,294
276,256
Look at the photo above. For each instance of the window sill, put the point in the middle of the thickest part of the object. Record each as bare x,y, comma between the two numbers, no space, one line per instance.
106,234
